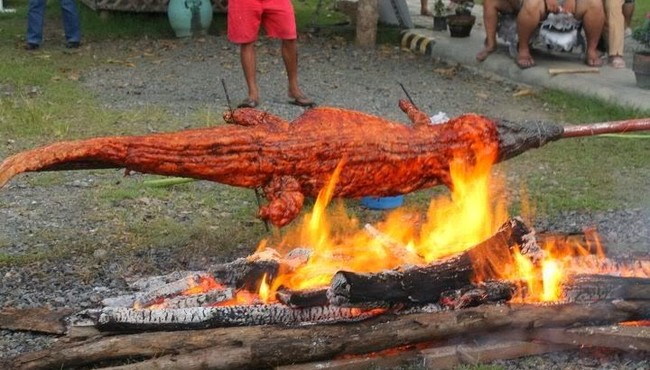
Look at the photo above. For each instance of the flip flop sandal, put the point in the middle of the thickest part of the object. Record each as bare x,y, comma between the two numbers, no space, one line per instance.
247,103
302,101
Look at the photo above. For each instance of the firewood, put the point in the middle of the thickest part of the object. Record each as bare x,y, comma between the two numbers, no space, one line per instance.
266,346
397,250
40,320
590,288
625,338
471,354
401,358
424,284
245,273
153,282
303,298
130,319
199,300
168,290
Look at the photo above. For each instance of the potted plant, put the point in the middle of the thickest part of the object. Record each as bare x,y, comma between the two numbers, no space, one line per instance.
439,16
641,61
460,24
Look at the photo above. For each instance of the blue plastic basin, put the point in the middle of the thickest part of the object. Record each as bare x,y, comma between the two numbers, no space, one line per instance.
382,202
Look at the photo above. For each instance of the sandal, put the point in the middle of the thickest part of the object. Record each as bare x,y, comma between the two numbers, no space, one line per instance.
248,103
302,101
617,61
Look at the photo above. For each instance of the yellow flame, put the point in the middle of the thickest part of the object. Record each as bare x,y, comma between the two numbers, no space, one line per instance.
264,291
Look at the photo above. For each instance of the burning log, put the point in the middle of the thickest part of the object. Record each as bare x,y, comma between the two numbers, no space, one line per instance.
292,160
171,289
424,284
267,346
303,298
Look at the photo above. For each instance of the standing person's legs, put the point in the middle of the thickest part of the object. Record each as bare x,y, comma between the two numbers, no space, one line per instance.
290,58
244,18
280,22
615,32
71,24
249,65
35,19
628,12
424,8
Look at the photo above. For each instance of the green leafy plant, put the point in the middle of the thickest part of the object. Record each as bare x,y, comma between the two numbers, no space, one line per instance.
439,8
464,8
642,33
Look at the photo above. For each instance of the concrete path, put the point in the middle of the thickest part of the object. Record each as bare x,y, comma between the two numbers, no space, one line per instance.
615,85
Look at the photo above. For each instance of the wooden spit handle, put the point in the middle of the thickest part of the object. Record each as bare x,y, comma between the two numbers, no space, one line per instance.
631,125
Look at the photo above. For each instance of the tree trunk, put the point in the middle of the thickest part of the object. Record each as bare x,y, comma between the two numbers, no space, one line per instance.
367,18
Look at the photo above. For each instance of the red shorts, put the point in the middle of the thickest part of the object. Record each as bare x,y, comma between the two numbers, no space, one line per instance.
245,17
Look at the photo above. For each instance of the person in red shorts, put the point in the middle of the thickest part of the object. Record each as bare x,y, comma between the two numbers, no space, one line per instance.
278,19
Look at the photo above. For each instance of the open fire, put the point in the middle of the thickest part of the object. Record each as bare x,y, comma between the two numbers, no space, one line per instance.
331,242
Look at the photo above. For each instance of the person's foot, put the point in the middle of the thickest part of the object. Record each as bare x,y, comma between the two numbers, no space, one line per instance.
73,45
593,59
426,13
525,61
31,46
628,32
302,101
485,53
248,103
617,61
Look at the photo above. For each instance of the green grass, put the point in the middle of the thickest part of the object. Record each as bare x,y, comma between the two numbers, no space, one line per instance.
641,8
586,173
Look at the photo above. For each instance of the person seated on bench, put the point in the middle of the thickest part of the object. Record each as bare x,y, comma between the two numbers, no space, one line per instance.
529,15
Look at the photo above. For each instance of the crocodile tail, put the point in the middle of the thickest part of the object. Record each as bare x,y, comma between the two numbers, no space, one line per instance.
82,154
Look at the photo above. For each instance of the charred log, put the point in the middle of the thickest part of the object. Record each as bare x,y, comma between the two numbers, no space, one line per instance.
424,284
303,298
131,320
492,291
243,273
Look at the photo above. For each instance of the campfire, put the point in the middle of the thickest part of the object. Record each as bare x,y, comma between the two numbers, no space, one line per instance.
410,285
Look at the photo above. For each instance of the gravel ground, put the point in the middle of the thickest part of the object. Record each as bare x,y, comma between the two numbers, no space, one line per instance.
184,77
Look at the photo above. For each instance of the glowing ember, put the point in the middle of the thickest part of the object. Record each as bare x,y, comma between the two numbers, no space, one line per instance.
205,285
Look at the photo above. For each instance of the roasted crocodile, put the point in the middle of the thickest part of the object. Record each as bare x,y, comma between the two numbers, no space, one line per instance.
291,160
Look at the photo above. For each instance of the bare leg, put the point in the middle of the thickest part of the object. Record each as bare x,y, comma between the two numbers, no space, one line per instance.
490,20
290,57
248,63
491,10
628,12
529,17
593,18
424,8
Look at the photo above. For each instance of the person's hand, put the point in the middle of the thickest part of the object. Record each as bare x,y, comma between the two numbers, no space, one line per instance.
569,6
552,6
